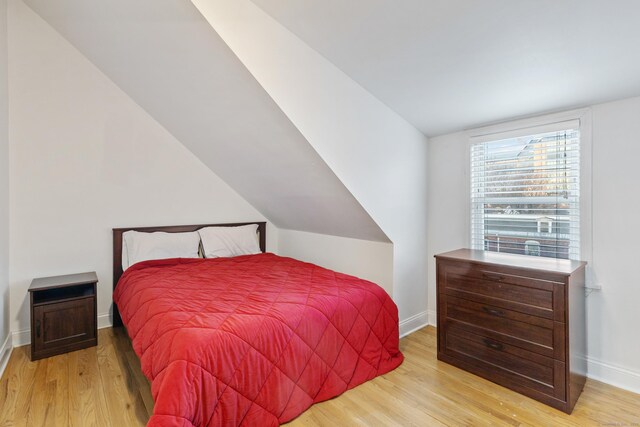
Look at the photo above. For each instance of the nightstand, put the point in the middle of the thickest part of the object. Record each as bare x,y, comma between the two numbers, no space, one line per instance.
63,314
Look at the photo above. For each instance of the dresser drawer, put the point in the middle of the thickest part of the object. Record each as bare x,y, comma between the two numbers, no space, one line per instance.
501,362
532,333
503,288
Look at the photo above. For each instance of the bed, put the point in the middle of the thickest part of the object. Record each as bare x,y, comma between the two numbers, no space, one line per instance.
252,339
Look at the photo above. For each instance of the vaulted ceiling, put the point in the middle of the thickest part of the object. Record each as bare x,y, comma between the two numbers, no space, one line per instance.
443,65
170,61
446,65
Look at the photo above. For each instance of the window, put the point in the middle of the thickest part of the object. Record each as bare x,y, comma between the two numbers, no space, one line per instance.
525,192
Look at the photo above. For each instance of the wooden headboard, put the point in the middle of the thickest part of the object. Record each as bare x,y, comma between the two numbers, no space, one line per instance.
117,247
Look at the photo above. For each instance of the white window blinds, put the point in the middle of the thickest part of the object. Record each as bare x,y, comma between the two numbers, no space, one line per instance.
525,192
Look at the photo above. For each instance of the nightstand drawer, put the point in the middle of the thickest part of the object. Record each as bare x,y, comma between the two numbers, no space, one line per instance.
543,336
63,324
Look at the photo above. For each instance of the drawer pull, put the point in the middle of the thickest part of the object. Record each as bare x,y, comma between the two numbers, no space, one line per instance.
493,277
38,328
493,345
493,311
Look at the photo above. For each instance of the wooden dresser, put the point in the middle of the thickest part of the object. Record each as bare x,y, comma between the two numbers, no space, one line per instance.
516,320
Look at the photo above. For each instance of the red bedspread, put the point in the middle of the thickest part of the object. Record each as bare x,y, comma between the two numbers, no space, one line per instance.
255,339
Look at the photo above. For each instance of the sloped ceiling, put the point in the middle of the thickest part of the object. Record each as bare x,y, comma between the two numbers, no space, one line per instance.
446,65
170,61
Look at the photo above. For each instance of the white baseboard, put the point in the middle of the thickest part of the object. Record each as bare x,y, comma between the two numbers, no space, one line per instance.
5,353
433,317
413,323
613,375
104,321
21,338
24,337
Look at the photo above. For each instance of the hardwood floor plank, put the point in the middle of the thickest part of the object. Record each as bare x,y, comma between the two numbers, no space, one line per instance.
19,375
104,386
35,411
10,386
73,391
121,402
28,377
131,363
87,400
58,389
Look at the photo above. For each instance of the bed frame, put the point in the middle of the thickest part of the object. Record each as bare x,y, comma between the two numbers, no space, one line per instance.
117,247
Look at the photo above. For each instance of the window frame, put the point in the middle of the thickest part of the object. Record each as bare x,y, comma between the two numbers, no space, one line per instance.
533,125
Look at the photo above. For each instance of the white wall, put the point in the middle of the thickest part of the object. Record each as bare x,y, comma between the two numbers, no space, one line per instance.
613,315
84,158
380,157
4,188
168,59
614,344
448,208
372,261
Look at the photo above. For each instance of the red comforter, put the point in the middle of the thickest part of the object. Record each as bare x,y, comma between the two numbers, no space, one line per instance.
255,339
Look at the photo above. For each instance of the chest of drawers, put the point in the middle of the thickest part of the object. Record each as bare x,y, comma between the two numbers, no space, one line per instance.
516,320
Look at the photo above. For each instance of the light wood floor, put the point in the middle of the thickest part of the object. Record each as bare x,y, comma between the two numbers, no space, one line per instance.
103,386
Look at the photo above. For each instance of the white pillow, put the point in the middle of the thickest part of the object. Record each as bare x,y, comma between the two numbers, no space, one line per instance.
229,241
137,246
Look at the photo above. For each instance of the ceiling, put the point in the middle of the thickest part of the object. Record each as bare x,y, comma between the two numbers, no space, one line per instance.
170,61
447,65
